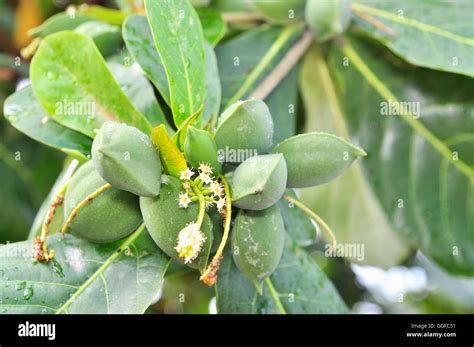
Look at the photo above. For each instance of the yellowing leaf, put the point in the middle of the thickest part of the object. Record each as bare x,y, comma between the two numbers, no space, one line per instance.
171,157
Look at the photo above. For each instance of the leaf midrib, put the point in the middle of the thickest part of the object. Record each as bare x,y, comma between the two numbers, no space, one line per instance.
413,23
379,86
118,252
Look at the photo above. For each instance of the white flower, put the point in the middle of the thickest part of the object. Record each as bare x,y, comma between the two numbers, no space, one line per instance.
221,204
217,188
184,200
205,178
186,174
190,241
205,168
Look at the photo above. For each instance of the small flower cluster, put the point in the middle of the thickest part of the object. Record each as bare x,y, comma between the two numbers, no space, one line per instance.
212,190
190,241
201,188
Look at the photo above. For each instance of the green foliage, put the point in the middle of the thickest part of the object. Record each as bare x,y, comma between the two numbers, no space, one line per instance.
69,76
179,40
212,188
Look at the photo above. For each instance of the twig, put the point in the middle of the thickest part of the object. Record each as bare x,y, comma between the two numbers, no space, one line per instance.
209,276
284,67
314,217
83,203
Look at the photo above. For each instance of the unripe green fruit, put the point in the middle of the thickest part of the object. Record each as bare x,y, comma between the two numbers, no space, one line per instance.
328,18
164,220
316,158
281,11
126,158
259,182
257,243
245,127
110,216
200,147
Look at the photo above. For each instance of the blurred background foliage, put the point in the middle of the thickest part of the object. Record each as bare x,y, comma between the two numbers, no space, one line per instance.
409,283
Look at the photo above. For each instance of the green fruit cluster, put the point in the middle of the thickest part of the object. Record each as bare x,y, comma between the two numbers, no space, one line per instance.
185,210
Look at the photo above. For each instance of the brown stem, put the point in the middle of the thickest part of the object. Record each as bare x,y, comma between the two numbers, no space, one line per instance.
284,66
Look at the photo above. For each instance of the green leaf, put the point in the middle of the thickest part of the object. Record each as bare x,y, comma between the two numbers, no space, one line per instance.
282,103
139,41
59,22
179,40
434,34
247,59
107,38
420,168
69,76
26,114
171,157
299,285
140,92
342,201
122,277
212,103
104,14
213,25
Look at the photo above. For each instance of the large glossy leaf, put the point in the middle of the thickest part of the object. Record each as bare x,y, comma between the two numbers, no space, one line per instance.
435,34
69,74
282,103
139,91
122,277
212,103
26,114
139,41
59,22
300,285
343,201
213,25
247,59
421,169
179,40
